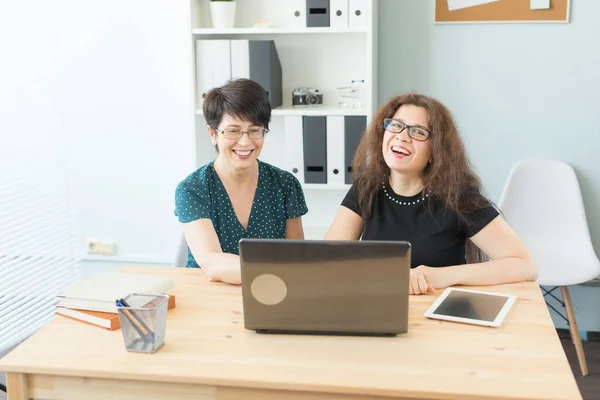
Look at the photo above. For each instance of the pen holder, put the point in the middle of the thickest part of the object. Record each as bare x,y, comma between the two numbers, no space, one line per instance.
143,319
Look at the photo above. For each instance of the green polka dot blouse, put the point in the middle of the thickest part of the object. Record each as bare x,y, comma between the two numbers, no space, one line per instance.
278,197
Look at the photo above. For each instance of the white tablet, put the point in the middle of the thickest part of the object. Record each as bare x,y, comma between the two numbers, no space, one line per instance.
471,307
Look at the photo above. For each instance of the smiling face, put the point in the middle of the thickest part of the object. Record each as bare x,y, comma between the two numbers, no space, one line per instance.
241,153
402,153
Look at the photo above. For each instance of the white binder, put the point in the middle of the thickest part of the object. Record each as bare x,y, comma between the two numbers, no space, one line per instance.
203,69
335,150
213,65
294,146
221,59
240,59
358,13
338,13
296,13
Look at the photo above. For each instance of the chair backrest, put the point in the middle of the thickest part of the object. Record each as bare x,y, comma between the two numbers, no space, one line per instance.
181,256
542,202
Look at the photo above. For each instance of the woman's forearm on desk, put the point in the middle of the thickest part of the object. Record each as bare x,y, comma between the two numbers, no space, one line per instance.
222,267
203,242
507,270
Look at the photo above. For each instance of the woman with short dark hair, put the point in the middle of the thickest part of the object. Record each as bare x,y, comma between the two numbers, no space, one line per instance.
236,196
413,182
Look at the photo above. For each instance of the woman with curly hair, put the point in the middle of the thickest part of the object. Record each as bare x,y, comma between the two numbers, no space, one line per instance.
413,182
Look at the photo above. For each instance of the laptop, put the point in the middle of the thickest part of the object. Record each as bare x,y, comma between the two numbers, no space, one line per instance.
325,287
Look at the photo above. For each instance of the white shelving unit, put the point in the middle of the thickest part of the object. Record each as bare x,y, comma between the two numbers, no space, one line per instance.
324,58
317,186
273,31
314,111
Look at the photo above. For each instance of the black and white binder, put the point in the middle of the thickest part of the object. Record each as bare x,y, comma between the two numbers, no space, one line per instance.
354,126
315,149
317,13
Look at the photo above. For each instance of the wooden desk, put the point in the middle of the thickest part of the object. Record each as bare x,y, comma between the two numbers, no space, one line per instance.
209,355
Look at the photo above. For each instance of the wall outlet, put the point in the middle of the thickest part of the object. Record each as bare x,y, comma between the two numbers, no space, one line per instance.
108,247
99,246
92,245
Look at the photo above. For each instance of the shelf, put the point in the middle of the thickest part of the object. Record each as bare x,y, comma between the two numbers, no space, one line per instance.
324,186
312,111
286,110
272,31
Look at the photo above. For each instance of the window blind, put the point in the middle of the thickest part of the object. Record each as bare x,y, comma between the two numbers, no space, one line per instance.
36,263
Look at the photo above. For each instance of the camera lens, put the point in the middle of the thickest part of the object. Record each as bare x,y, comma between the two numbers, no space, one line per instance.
311,99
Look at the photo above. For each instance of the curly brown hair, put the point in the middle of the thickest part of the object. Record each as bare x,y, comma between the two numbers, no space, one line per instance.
449,178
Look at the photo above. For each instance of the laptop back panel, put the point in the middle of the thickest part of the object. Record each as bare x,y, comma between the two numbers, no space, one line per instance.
346,287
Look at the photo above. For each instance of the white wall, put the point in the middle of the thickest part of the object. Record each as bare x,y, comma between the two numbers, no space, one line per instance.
109,85
128,111
517,91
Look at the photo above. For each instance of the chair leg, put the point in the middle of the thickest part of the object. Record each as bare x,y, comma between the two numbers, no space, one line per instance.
574,329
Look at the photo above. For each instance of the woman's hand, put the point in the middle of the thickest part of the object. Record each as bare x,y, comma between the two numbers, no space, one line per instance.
419,283
425,279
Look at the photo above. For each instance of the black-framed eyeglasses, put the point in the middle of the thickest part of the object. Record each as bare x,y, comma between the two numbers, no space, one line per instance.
235,134
415,132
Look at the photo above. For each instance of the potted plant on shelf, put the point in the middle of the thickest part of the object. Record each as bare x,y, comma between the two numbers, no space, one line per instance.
222,13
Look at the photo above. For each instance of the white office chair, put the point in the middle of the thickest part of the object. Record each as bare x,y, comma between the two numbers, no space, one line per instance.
542,202
181,256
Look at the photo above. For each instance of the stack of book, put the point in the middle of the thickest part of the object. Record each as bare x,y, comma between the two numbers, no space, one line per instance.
92,301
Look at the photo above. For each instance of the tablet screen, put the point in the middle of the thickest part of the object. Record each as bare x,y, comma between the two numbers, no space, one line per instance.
478,306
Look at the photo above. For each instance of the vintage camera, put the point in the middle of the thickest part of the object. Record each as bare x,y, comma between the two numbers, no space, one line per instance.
306,97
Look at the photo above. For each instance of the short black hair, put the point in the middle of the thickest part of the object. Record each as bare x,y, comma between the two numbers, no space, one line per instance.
241,98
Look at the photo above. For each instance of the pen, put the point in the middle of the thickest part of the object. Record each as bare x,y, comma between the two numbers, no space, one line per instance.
140,320
147,331
141,329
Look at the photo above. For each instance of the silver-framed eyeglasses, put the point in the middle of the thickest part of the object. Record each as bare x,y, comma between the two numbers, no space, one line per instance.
415,132
234,133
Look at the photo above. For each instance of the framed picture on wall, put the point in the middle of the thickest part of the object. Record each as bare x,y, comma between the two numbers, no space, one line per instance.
501,11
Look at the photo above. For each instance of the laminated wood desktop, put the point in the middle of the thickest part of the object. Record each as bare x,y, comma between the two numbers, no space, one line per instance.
209,355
